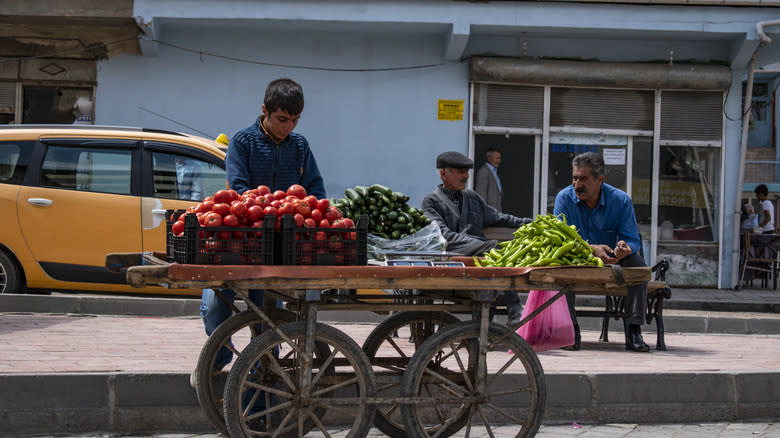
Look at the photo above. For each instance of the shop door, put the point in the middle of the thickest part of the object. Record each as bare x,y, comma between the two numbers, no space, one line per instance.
516,172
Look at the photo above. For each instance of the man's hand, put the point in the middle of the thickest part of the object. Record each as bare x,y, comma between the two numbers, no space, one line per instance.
604,253
622,250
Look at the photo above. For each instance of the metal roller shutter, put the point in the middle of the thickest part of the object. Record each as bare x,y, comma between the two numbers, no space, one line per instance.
602,108
7,97
510,106
692,115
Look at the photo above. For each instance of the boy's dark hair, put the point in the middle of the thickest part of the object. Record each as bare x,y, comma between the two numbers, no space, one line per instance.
284,94
761,189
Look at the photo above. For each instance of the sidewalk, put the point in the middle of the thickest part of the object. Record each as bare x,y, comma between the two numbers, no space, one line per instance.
130,373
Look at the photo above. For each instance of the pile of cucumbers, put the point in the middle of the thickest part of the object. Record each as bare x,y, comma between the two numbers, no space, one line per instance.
390,215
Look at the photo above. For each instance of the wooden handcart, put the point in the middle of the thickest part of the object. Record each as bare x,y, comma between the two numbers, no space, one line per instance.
423,372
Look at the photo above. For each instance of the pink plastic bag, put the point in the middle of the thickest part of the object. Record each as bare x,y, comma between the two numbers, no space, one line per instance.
550,329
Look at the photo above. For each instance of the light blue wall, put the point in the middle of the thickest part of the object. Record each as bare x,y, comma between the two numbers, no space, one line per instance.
364,127
381,126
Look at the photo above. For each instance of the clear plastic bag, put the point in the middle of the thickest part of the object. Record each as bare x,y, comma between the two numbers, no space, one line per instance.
427,239
550,329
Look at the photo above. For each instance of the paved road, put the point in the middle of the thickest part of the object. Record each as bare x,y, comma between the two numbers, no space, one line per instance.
704,430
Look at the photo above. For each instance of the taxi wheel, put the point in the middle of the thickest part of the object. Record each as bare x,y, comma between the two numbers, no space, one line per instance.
10,276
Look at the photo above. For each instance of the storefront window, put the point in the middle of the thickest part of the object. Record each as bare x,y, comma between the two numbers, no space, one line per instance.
688,212
61,105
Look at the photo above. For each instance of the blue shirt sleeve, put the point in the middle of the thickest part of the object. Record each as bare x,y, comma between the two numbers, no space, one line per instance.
311,178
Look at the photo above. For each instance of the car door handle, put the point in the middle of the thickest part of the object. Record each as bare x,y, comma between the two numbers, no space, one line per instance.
158,211
43,202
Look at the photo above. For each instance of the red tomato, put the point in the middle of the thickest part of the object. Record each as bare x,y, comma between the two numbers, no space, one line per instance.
193,208
234,195
262,201
263,190
254,213
270,197
309,223
298,219
348,223
212,219
238,209
317,215
221,209
223,235
290,198
312,201
324,224
276,203
320,235
323,204
339,224
222,197
258,224
248,201
178,228
238,235
297,190
302,207
271,210
250,192
201,218
278,194
332,213
287,208
206,206
230,220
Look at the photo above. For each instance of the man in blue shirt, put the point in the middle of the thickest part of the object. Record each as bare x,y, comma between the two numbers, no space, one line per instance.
605,218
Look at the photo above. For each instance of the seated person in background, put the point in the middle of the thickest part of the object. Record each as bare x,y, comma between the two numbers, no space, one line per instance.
604,217
189,179
751,218
461,214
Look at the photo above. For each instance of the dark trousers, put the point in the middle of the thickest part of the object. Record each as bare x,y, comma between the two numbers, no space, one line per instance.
636,296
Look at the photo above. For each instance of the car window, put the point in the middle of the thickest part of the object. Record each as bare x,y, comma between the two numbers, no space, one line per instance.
13,161
186,178
87,169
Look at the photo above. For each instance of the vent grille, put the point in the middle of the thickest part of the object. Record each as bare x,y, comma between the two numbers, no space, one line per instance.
509,106
598,108
692,115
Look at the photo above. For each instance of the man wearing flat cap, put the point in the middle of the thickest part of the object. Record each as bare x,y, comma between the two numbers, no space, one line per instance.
461,214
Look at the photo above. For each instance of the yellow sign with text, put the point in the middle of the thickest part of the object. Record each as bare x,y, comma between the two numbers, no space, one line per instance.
670,193
450,110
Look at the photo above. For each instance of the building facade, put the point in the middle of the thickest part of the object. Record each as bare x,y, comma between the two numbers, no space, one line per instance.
658,89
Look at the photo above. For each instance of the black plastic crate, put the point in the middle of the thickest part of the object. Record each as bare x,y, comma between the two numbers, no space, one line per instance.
220,245
323,246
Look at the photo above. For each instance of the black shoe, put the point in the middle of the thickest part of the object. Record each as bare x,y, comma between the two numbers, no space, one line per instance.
636,341
577,340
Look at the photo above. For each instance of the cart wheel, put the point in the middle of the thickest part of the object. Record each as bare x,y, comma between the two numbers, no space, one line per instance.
341,381
402,332
513,392
234,333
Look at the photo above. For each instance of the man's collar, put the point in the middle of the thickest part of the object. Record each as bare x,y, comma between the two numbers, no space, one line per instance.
449,192
492,167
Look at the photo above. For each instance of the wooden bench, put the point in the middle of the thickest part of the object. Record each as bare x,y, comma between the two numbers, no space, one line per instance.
657,292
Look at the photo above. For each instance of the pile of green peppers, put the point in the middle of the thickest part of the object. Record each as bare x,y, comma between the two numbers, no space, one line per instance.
547,241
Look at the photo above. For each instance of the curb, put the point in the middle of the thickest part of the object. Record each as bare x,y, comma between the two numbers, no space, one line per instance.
139,402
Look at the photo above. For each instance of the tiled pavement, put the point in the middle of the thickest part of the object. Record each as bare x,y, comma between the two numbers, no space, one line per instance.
39,343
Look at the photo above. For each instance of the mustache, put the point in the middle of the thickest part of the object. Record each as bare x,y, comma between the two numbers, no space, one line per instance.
580,190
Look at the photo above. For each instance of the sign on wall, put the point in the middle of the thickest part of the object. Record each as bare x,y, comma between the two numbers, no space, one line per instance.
451,110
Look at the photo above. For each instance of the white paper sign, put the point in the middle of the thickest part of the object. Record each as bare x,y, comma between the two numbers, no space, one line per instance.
614,157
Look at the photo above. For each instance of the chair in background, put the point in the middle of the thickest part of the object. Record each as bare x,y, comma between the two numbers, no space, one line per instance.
760,255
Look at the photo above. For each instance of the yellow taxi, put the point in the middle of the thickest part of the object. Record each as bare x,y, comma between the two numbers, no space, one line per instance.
69,195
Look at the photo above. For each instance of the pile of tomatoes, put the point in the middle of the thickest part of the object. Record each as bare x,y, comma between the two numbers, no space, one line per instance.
229,209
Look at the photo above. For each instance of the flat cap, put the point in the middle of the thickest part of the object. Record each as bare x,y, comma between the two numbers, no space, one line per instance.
453,159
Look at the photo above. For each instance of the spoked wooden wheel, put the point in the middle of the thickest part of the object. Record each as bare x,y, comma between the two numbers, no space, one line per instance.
235,333
271,392
389,347
512,390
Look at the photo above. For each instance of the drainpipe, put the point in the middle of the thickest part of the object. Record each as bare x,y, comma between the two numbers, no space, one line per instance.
765,41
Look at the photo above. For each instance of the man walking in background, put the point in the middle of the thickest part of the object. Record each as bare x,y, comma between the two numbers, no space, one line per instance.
487,183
